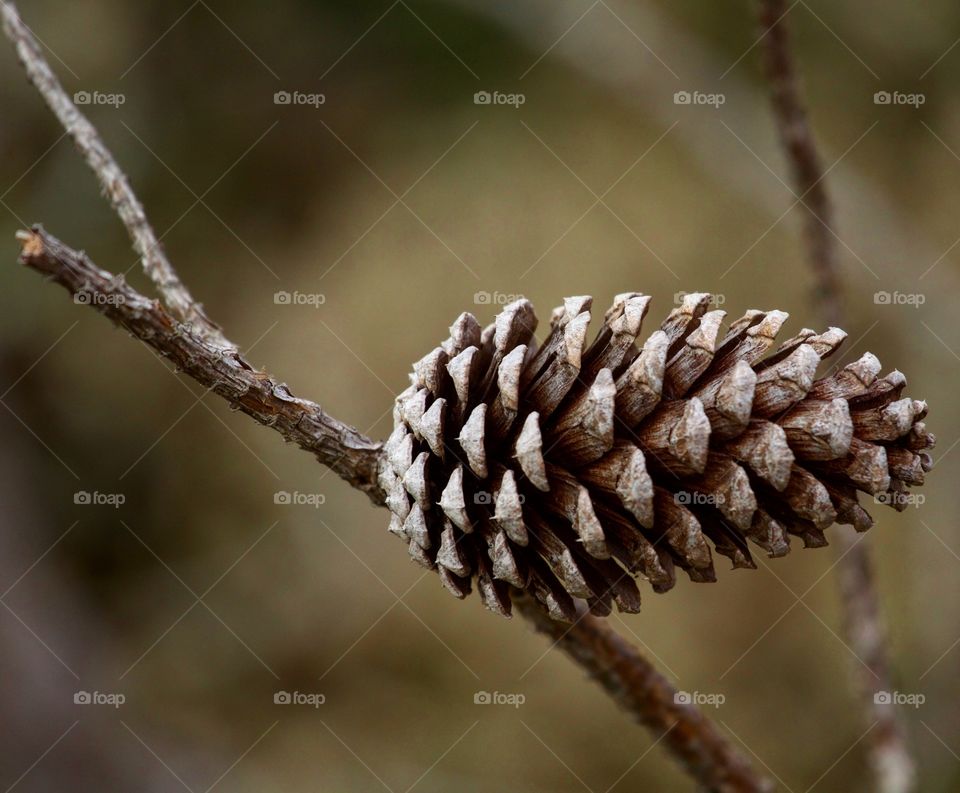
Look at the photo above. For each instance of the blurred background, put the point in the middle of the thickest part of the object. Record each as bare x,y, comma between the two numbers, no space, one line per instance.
337,152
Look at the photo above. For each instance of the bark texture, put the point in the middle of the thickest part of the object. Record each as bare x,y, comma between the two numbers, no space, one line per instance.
223,370
113,181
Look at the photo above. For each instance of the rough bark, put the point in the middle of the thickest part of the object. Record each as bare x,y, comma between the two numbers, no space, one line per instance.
222,369
113,181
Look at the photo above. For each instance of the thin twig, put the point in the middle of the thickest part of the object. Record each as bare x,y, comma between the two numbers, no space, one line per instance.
112,179
893,768
337,445
183,333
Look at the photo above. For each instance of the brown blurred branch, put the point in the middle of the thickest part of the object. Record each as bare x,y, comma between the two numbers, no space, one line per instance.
648,696
113,181
183,333
893,767
797,138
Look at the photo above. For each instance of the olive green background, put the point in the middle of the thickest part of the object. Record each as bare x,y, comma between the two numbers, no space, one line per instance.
399,199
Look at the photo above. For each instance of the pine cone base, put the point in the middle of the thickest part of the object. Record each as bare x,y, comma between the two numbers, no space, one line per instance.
567,469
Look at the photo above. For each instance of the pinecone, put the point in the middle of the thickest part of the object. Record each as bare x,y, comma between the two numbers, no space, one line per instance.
564,469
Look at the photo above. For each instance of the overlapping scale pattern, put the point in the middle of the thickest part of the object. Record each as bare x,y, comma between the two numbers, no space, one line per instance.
568,469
